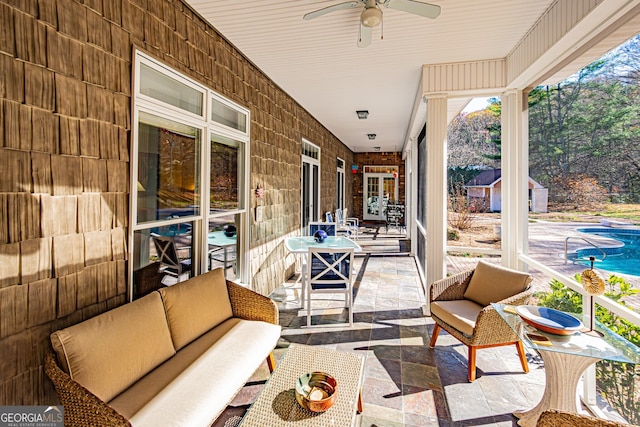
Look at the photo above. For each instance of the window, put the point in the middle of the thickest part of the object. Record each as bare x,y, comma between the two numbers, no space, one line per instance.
226,114
340,184
189,198
421,211
310,183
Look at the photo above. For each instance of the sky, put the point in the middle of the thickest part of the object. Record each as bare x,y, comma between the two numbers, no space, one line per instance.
476,104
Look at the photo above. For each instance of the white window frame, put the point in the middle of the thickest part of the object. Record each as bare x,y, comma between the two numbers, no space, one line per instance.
150,105
340,180
312,161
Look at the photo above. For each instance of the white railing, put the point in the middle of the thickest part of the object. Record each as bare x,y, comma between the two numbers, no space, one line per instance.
589,392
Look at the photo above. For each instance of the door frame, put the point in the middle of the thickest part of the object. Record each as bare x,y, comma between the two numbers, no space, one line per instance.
381,176
310,156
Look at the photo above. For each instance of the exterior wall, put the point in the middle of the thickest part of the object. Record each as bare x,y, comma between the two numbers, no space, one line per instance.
539,200
65,133
464,77
373,159
496,197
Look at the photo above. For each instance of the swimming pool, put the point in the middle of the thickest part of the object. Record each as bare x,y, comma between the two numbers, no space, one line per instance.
621,259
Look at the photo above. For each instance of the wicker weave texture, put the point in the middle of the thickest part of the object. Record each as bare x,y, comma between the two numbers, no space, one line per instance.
554,418
276,405
81,407
249,305
451,288
490,329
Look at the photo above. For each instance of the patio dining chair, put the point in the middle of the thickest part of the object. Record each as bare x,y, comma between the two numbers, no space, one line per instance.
330,272
328,227
348,224
351,221
461,305
174,268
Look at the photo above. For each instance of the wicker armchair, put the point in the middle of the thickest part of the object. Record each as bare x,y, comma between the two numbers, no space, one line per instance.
555,418
460,304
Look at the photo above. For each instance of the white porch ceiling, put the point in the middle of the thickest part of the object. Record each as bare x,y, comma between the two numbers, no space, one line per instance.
318,63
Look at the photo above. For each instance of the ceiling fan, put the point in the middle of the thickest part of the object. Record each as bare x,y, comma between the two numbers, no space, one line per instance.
372,14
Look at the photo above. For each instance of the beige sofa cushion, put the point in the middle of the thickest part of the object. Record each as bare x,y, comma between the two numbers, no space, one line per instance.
109,352
195,386
195,306
461,314
492,283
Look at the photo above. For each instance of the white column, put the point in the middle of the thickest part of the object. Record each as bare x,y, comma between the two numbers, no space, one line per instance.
515,177
436,176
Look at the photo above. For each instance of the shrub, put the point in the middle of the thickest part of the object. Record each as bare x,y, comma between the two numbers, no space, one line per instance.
619,383
576,192
460,216
453,234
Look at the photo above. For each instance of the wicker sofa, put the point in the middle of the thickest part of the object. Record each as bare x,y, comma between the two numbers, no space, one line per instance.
175,357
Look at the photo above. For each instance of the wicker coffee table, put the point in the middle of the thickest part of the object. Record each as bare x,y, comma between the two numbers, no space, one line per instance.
277,406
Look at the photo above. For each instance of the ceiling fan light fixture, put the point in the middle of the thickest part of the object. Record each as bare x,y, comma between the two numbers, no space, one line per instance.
371,17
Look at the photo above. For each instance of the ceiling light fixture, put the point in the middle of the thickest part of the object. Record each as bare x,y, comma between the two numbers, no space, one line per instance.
362,114
376,148
371,136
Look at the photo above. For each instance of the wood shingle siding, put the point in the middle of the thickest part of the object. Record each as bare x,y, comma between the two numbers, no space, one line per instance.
65,136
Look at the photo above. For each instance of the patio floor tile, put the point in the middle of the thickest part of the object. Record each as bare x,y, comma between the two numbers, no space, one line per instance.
405,383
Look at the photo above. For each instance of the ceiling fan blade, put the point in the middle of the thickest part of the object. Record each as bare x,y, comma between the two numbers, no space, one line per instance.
415,7
364,37
324,11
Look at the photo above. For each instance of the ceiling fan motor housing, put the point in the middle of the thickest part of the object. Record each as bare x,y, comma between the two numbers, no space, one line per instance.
371,15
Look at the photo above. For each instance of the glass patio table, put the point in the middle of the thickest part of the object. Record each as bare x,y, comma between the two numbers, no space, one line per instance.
301,244
566,357
220,240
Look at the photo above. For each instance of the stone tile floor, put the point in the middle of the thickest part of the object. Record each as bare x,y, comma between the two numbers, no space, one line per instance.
405,382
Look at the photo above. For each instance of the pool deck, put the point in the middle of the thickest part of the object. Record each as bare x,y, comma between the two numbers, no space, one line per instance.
546,244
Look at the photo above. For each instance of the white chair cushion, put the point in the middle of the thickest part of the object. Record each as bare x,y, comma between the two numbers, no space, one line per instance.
461,314
195,386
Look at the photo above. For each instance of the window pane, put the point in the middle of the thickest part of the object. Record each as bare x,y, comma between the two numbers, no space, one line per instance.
223,244
421,211
161,256
226,174
306,200
168,169
228,116
163,88
316,192
310,150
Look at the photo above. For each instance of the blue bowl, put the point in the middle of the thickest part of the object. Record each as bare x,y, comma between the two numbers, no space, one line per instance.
319,236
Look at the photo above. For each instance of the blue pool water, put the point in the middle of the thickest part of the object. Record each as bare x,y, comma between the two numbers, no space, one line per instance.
622,259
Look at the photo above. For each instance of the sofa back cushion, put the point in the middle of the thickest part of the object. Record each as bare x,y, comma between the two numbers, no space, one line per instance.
109,352
195,306
492,283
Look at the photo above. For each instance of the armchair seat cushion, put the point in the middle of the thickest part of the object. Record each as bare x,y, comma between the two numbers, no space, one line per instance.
460,314
492,283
